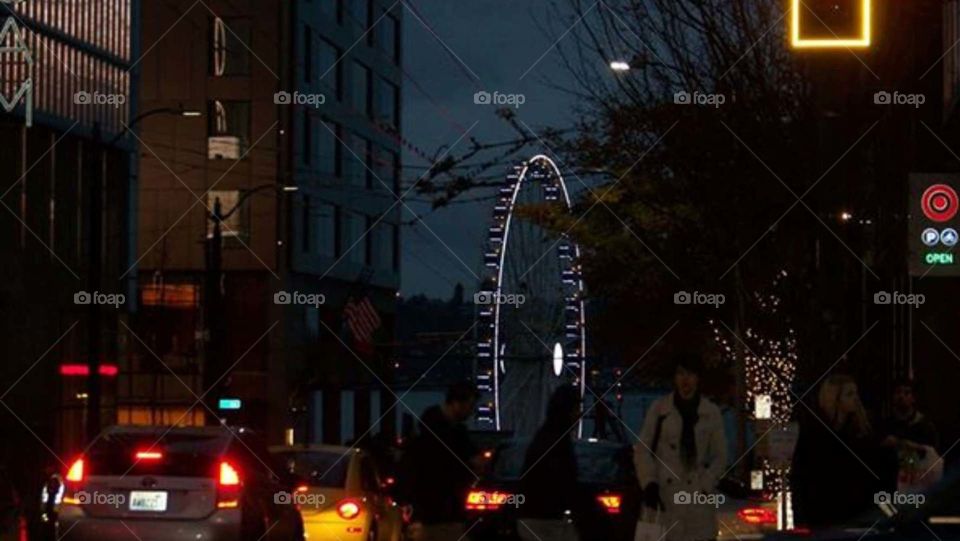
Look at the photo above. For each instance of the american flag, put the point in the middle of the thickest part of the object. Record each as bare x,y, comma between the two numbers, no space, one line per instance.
362,320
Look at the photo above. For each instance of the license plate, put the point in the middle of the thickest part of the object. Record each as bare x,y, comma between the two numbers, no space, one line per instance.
154,501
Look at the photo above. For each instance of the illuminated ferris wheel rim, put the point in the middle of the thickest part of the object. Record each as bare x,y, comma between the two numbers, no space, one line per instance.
500,266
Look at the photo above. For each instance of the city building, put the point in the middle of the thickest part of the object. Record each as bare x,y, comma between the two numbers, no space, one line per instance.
301,105
67,226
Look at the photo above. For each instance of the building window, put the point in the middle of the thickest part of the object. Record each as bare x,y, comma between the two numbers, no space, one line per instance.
306,225
236,224
388,37
360,13
388,102
324,218
386,164
361,159
229,47
395,235
307,54
352,225
307,148
382,245
331,150
369,241
228,129
361,86
337,231
331,71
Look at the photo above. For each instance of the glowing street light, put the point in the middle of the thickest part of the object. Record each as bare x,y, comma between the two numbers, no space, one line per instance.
619,65
838,42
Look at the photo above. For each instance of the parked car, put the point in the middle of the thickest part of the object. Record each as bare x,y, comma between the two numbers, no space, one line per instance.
340,494
176,484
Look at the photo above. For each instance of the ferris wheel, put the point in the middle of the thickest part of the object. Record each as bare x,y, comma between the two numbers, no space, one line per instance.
532,324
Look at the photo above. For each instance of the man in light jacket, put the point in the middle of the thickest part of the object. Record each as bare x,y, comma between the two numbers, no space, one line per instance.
681,456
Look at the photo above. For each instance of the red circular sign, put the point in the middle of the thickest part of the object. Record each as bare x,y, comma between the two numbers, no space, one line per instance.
940,203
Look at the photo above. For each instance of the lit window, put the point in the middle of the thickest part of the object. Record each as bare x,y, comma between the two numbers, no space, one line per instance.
229,47
235,224
229,129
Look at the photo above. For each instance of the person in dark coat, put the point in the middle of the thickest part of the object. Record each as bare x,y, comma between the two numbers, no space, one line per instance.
550,467
913,436
907,423
440,466
838,462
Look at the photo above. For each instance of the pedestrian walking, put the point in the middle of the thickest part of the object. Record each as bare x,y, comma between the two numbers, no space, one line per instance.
681,455
549,484
440,466
838,461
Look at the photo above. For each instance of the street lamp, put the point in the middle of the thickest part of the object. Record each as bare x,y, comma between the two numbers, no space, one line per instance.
96,261
179,111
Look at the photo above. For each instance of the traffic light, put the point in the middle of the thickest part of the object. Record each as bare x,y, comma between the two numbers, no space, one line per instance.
830,24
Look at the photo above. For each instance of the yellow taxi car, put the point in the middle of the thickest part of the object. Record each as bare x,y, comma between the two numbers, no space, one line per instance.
339,494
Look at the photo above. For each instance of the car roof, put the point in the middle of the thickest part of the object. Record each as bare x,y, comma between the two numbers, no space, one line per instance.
164,430
314,447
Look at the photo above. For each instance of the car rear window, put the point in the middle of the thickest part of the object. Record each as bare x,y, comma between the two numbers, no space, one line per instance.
321,468
180,455
596,462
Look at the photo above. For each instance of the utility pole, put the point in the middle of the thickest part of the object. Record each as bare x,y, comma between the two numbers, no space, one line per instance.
213,315
95,180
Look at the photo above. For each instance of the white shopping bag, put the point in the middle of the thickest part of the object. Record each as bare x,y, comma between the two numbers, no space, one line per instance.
649,527
920,468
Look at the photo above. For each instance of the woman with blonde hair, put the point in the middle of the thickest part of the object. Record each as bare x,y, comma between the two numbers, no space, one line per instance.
838,463
840,401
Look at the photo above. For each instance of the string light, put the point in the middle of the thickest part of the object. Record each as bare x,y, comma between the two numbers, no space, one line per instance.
770,364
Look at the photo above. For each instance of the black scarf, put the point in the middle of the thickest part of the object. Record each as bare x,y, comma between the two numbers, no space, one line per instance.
688,441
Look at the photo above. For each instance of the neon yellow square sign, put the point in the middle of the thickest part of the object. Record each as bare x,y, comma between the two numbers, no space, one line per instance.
839,42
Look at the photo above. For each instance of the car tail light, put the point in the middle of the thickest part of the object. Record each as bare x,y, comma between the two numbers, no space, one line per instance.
611,503
482,500
149,455
76,472
228,486
348,509
760,516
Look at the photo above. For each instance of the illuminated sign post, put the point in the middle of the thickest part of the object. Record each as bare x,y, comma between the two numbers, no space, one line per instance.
934,225
229,404
833,24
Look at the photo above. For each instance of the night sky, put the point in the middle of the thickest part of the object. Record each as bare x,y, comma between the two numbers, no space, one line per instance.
497,41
